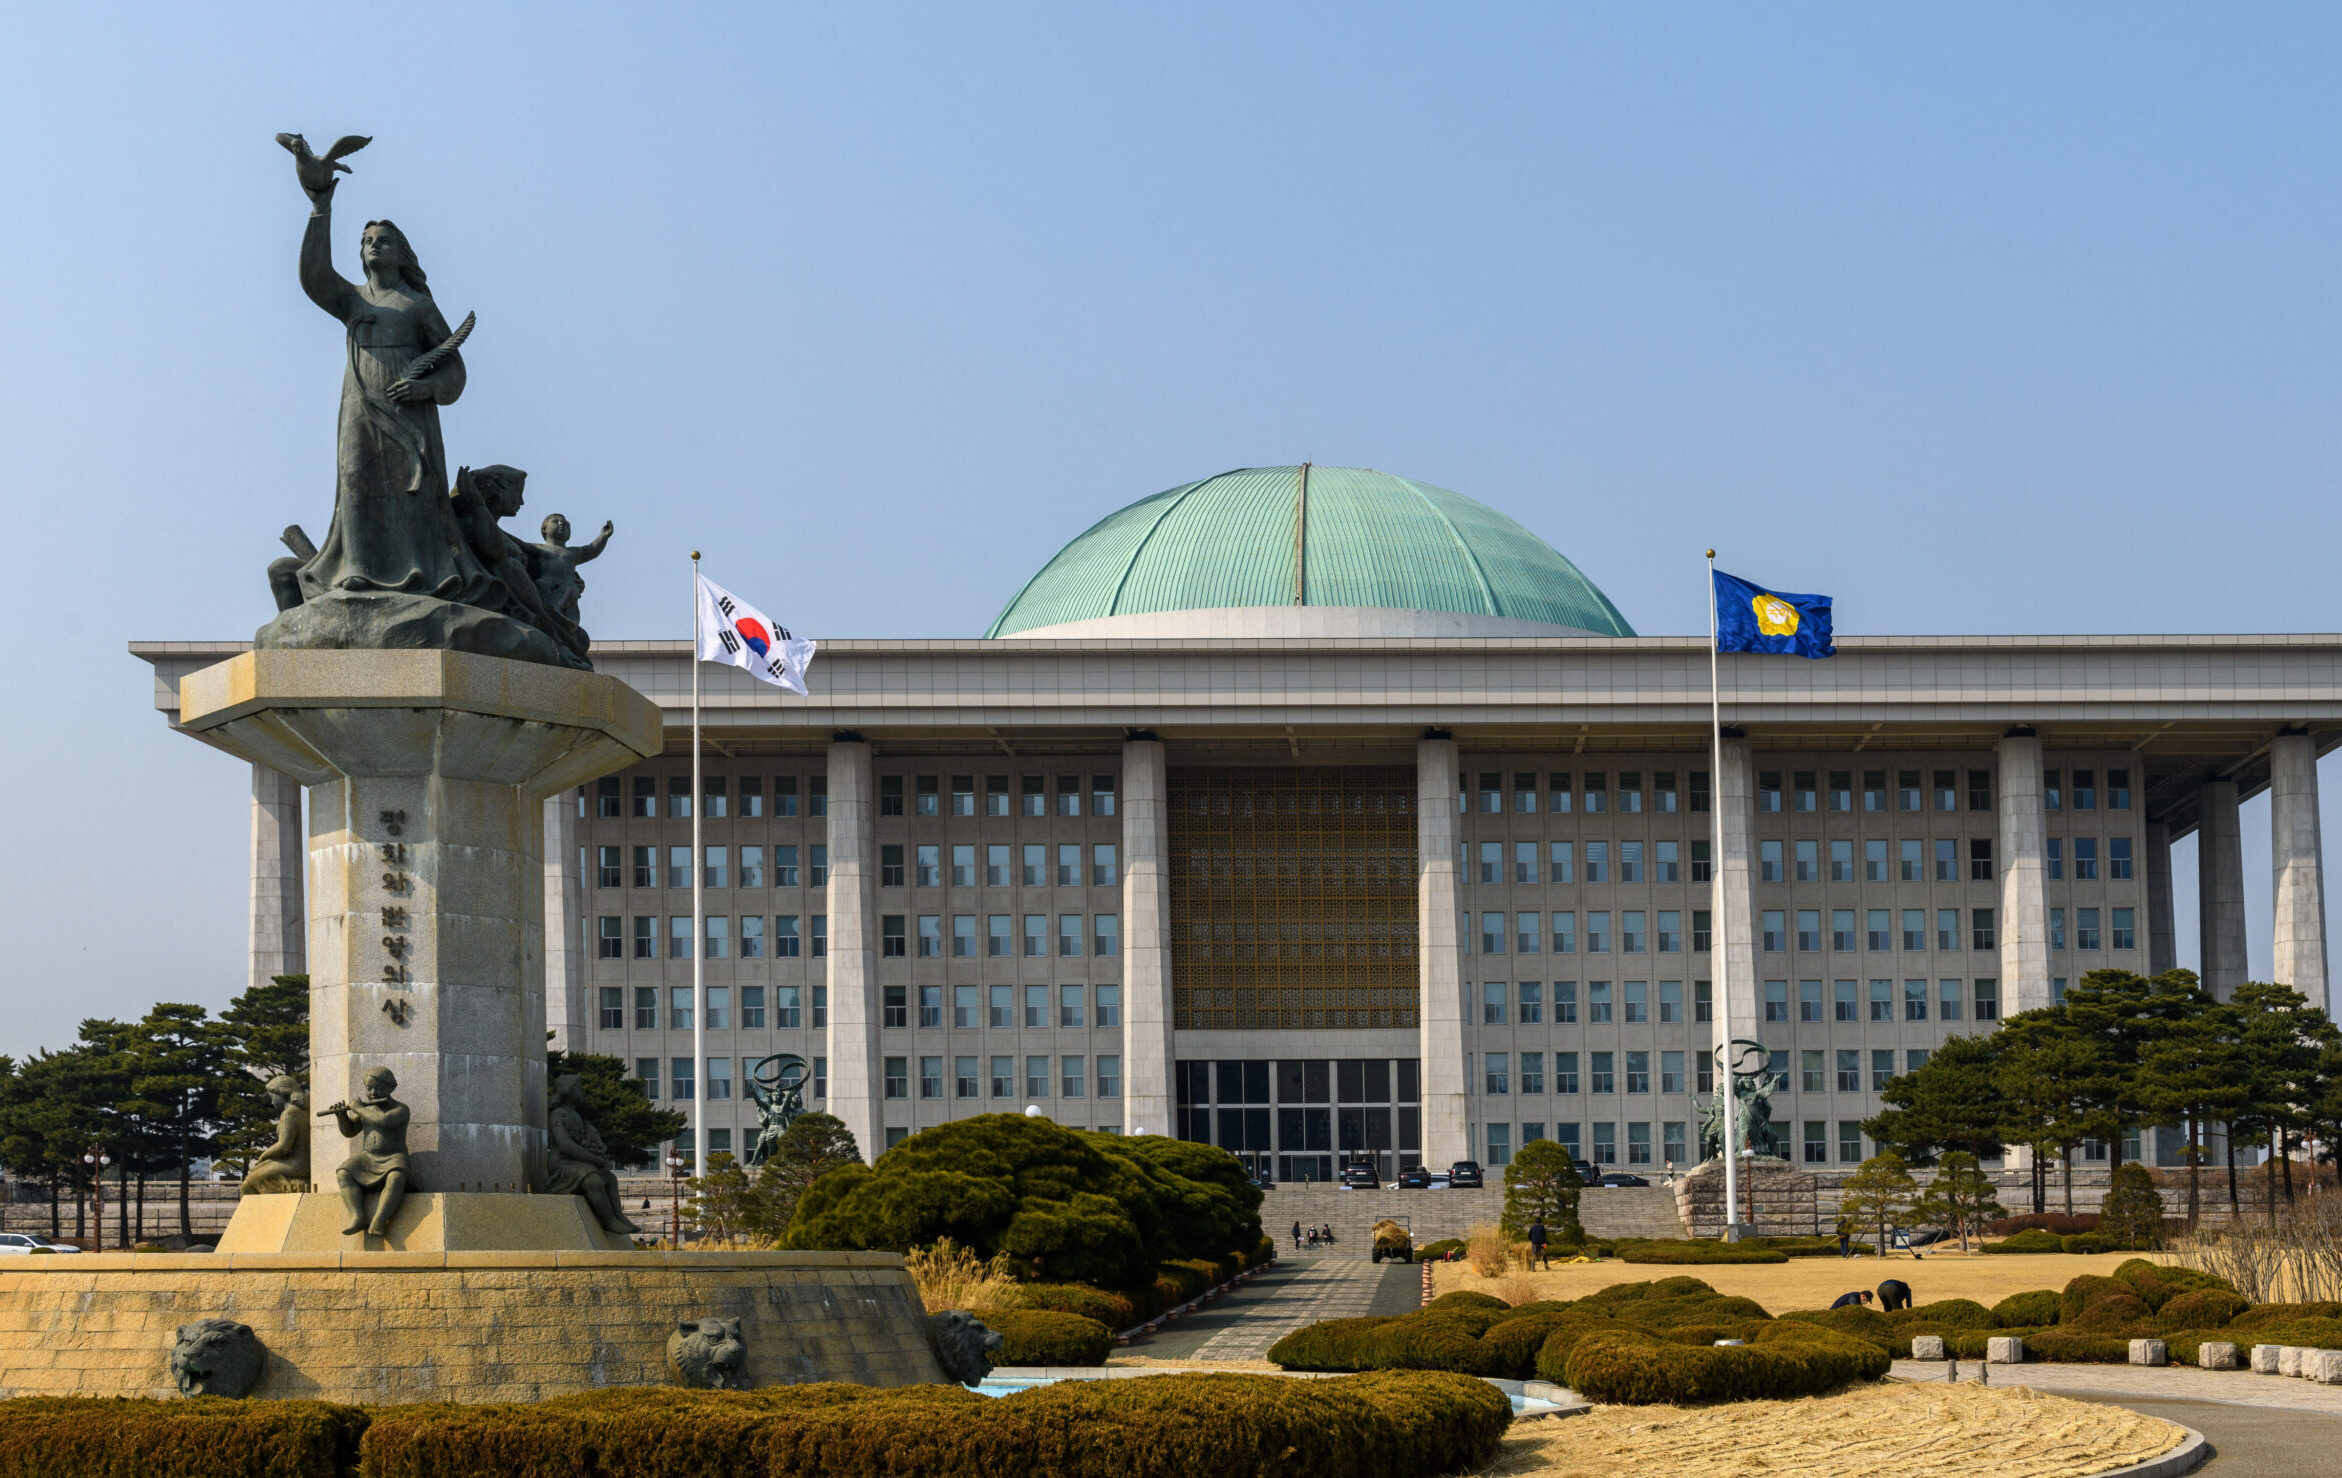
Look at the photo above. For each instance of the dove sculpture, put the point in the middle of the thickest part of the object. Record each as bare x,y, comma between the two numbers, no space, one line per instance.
315,173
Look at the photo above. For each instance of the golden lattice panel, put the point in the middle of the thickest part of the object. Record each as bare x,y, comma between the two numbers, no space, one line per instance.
1292,898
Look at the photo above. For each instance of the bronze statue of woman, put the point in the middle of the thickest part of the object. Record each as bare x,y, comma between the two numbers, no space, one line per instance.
395,568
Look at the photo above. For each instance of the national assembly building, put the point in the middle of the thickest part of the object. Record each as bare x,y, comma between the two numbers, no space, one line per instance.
1333,817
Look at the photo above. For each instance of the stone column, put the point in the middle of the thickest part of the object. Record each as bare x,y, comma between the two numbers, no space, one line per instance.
2298,859
280,925
1439,987
1734,896
1148,1044
566,1013
2024,899
2162,923
2220,889
856,1082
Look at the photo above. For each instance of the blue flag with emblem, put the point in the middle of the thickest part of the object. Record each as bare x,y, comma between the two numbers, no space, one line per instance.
1750,618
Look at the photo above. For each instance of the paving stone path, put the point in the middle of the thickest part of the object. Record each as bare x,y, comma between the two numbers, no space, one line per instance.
2123,1384
1294,1292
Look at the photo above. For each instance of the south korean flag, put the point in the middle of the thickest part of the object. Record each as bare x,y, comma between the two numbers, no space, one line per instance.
737,634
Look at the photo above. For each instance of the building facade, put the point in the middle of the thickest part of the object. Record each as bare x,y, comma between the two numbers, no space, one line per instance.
1324,816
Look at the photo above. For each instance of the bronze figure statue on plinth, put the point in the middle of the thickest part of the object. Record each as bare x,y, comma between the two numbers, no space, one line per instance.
283,1168
379,1123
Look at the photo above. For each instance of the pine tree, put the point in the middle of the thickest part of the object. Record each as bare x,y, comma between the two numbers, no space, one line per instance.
2196,1074
1878,1196
812,1145
1961,1197
264,1034
1541,1184
2131,1216
176,1071
1952,1102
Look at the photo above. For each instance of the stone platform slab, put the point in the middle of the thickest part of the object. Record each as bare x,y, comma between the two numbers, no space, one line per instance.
456,1221
383,1327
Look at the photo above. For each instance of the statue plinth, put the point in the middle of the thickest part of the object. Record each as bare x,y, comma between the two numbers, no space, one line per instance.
427,772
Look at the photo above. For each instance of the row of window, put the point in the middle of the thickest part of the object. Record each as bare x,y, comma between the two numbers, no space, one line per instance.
1102,936
1814,1142
1072,1078
1529,936
1591,794
1347,1080
923,796
1559,862
972,1006
1097,865
1525,1002
1981,997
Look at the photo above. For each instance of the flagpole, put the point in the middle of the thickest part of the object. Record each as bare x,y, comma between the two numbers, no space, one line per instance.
698,909
1722,939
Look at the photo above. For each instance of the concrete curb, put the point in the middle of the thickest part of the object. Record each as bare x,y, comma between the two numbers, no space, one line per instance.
2185,1458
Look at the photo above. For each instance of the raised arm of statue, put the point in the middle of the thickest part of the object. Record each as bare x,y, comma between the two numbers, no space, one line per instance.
326,288
593,547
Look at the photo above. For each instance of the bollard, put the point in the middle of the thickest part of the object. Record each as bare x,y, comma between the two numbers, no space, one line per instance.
2216,1354
2289,1359
2265,1359
2323,1366
1927,1347
2148,1352
2004,1349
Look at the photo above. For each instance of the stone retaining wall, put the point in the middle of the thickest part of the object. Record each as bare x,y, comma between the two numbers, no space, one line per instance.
472,1327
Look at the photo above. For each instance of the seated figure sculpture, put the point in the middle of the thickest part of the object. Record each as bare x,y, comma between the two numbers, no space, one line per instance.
284,1166
577,1162
379,1123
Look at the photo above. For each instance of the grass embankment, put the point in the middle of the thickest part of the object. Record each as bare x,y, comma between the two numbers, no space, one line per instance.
1811,1282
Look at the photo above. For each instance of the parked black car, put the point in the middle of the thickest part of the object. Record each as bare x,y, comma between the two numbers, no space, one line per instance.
1465,1173
1621,1178
1361,1178
1416,1179
1587,1174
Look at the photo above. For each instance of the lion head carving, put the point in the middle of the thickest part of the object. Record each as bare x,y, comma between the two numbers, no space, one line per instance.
707,1353
963,1345
216,1357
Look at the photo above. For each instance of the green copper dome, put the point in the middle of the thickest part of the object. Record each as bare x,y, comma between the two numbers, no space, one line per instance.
1329,537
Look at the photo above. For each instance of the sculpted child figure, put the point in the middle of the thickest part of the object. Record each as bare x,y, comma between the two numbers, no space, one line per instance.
379,1123
284,1165
556,562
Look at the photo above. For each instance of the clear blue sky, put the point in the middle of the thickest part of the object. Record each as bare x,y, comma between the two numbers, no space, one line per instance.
1981,318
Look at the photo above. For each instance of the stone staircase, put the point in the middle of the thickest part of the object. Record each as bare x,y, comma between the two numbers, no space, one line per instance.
1432,1216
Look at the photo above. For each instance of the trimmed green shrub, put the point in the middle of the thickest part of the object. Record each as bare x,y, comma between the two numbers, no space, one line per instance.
1708,1334
1787,1359
1329,1344
2261,1316
2132,1213
1512,1344
1553,1357
2317,1334
2085,1242
2079,1347
1950,1313
1191,1426
1432,1339
1438,1251
1667,1303
2087,1289
2033,1310
1535,1306
1066,1206
1047,1337
1466,1298
2113,1311
2202,1309
2032,1239
1854,1321
2157,1283
1970,1344
209,1437
1110,1309
1694,1253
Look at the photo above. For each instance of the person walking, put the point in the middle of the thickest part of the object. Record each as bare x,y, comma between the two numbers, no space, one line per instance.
1537,1243
1297,1236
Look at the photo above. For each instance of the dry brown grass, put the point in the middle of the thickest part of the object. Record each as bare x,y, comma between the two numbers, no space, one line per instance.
1485,1251
1884,1431
1804,1282
1516,1289
950,1276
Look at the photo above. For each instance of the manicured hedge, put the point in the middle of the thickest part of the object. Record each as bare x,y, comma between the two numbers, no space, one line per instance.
1785,1360
2078,1346
1438,1251
1467,1298
1952,1313
2032,1239
211,1437
2204,1308
1175,1426
1854,1320
2262,1316
1696,1253
2159,1283
1047,1337
2086,1242
1110,1309
1668,1303
2032,1310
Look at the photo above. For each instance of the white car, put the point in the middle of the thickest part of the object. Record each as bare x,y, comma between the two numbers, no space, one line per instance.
19,1242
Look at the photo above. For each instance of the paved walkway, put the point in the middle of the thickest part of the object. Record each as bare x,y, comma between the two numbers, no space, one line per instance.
1298,1290
2124,1384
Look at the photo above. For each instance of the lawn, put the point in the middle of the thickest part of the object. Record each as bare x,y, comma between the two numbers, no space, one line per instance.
1807,1282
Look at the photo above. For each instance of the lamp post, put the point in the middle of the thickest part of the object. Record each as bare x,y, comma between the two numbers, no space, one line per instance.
96,1158
675,1196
